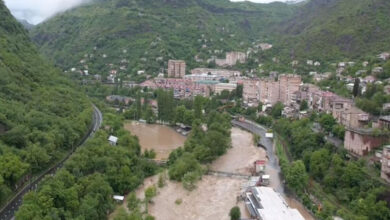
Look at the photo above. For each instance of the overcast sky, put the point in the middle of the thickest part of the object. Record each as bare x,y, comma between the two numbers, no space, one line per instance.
35,11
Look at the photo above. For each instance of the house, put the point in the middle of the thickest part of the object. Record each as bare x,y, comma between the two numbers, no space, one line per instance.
112,140
377,70
386,107
120,99
266,204
111,78
310,62
140,72
294,63
97,77
384,56
387,89
385,160
342,64
369,79
317,63
384,122
264,46
360,72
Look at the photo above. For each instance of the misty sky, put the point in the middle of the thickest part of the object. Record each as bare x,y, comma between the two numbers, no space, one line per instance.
35,11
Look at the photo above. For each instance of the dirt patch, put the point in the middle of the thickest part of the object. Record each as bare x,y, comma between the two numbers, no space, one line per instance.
240,158
162,139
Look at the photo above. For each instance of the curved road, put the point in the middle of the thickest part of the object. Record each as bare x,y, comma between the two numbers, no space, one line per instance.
8,211
272,166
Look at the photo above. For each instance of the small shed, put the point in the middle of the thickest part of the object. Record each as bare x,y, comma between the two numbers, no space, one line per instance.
118,198
113,140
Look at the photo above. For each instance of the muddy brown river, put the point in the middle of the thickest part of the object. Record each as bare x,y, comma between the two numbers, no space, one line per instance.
162,139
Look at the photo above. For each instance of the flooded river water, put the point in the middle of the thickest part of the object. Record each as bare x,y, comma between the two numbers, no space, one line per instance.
162,139
214,196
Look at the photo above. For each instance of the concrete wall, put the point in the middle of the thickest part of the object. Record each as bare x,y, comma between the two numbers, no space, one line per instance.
361,143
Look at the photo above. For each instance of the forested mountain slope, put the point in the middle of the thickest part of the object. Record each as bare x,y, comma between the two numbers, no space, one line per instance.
150,30
153,31
42,115
338,28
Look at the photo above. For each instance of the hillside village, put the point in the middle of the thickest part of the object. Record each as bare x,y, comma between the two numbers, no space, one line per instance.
364,132
173,109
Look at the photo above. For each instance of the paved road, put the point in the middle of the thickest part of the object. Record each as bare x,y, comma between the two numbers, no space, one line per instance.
8,211
272,167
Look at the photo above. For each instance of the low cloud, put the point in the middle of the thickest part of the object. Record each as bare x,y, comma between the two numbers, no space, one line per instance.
36,11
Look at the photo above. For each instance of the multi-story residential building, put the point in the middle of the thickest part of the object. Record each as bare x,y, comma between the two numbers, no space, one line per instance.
283,90
202,76
288,84
218,88
231,59
220,73
251,92
176,68
182,88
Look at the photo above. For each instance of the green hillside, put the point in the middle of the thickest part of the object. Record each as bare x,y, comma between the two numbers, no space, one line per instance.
330,29
42,115
155,30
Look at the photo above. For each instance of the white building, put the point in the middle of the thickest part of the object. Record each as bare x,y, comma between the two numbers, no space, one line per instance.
266,204
113,140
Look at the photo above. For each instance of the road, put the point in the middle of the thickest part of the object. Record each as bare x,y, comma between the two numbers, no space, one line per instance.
8,211
272,167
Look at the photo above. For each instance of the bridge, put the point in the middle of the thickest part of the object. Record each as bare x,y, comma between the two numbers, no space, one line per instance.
228,174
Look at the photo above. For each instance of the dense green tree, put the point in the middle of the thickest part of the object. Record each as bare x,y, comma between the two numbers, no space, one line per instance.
356,88
327,122
277,109
235,213
296,176
186,163
12,168
198,107
339,131
319,163
303,105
